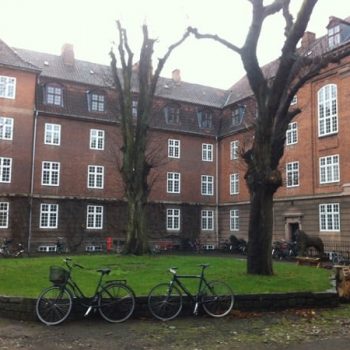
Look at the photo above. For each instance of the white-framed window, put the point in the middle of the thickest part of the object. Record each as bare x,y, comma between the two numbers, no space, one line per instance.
334,36
234,219
207,152
234,146
234,183
173,217
50,173
292,174
4,214
5,169
294,100
292,134
6,128
207,220
7,87
329,169
48,215
94,217
173,182
54,94
327,110
174,148
97,139
52,134
95,176
207,185
134,107
330,217
97,102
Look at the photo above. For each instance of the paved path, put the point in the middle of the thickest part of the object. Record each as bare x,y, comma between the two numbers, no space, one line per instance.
290,330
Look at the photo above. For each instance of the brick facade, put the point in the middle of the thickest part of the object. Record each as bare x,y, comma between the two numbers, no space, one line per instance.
203,159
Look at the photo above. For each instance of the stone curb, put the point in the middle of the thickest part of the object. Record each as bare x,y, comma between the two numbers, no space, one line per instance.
21,308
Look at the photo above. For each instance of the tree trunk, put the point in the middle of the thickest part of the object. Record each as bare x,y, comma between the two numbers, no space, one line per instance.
136,242
263,180
260,232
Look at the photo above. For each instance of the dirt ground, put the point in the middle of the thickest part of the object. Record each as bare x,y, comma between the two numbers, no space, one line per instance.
292,330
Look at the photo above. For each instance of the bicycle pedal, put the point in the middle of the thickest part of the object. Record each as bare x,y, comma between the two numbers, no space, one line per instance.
88,311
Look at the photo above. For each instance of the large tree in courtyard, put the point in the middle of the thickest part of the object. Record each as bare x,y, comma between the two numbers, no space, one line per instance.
136,162
273,97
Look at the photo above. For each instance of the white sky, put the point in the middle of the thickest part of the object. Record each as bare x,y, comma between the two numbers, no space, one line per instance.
44,25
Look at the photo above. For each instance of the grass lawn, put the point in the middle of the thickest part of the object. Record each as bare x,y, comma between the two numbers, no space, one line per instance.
28,276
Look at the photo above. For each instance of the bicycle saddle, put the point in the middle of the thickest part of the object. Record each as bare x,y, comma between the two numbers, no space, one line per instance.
104,271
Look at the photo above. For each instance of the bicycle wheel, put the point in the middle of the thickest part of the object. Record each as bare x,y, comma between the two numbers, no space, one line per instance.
116,302
165,301
217,299
53,305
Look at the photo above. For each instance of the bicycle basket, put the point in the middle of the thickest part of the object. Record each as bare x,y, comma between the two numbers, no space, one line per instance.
58,275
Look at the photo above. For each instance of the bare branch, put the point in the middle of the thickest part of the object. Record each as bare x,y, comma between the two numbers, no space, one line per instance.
275,7
215,37
161,61
288,18
121,32
289,56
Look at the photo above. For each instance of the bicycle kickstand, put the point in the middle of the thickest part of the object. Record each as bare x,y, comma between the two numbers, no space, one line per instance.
195,311
88,311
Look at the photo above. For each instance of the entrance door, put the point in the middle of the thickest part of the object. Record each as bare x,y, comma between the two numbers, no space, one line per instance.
293,227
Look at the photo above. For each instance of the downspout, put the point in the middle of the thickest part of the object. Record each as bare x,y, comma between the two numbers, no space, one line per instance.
217,191
32,182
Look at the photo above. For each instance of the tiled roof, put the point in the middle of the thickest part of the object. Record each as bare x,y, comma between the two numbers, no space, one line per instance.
9,58
99,75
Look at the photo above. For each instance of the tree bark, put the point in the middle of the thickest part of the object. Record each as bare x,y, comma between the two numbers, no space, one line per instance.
259,234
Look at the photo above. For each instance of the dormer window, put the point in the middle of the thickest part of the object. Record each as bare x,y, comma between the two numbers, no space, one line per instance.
205,119
237,115
334,36
172,114
54,94
96,102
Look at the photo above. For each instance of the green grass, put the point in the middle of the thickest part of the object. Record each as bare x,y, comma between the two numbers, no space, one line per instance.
28,276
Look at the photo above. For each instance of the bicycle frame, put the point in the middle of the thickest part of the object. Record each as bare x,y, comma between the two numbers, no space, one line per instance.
88,302
196,299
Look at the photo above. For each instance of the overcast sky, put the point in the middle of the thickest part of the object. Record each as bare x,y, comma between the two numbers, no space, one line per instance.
44,25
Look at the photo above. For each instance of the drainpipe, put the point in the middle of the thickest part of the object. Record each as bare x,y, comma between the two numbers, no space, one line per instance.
217,191
32,182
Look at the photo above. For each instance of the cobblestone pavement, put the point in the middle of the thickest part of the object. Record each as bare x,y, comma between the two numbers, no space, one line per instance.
291,330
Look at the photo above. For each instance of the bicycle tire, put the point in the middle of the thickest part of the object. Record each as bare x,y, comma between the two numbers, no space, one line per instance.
217,299
165,301
53,305
116,302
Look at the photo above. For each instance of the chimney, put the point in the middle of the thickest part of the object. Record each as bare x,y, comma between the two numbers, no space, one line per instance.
307,39
67,53
176,76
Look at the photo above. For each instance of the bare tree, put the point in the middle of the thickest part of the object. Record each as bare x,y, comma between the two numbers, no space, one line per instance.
136,165
273,96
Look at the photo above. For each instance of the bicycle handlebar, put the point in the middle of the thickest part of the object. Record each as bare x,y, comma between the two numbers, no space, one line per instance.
70,265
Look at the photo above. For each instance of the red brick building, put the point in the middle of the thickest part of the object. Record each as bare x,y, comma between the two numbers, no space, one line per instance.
60,153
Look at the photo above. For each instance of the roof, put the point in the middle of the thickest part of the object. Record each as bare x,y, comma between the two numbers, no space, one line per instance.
89,73
9,58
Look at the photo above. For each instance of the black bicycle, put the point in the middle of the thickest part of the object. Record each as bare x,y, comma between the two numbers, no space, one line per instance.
114,299
165,300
